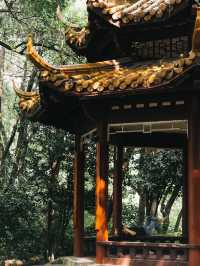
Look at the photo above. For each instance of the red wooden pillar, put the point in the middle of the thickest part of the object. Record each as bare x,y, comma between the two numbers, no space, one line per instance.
185,193
194,180
101,190
78,198
117,192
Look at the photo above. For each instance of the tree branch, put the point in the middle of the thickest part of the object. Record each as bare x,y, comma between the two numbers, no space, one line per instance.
9,7
5,45
51,47
4,11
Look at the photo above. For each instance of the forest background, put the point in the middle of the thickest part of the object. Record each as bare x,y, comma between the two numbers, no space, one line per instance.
36,161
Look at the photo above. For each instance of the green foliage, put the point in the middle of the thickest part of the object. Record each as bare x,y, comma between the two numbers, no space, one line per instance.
156,175
129,214
25,198
197,2
21,230
35,200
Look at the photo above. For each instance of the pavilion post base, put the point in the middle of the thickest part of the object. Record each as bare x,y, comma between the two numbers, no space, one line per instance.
194,258
100,254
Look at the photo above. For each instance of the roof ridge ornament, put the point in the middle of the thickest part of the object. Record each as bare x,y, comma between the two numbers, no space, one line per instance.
76,36
38,61
29,102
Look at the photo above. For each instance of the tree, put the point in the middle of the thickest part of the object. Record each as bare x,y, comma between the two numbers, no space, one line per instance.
156,175
2,133
36,165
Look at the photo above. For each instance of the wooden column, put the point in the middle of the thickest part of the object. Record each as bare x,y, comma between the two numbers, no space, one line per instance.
117,191
78,202
101,190
194,180
185,193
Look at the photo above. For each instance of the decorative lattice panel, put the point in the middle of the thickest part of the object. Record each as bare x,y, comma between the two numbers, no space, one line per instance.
165,48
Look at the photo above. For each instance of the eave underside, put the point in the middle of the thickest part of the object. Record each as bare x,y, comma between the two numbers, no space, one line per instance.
130,112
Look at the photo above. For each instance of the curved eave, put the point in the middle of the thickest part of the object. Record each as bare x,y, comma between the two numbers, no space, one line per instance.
168,85
43,65
135,14
66,109
132,76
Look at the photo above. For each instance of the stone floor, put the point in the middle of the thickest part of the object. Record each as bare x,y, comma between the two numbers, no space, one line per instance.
74,261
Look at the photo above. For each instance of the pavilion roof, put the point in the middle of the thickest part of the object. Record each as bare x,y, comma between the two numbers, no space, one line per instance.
103,78
110,21
122,13
63,88
111,75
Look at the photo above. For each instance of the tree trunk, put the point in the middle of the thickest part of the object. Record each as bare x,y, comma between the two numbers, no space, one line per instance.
67,211
7,148
141,209
2,59
154,205
176,227
55,167
166,208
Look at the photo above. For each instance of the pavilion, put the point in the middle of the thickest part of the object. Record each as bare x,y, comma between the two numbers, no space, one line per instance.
149,96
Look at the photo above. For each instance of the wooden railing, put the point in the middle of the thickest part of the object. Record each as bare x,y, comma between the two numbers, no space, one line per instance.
90,241
146,253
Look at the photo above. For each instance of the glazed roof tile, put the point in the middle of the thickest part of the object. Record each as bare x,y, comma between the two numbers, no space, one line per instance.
127,12
103,78
107,77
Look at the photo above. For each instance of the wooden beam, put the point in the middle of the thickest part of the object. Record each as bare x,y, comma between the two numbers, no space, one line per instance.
147,114
194,180
78,198
101,190
117,191
159,140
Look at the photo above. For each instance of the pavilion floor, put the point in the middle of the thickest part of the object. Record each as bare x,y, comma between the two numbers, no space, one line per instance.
90,261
